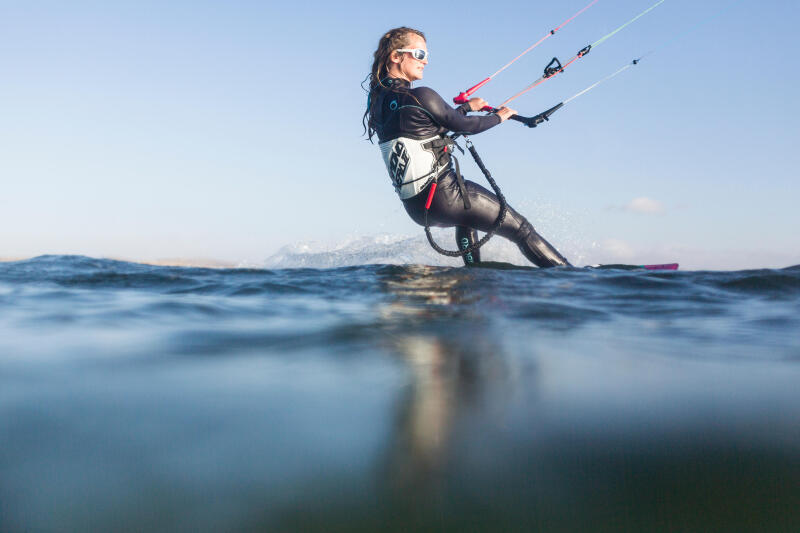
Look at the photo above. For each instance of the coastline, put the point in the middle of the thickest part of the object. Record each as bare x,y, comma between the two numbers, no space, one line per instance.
174,262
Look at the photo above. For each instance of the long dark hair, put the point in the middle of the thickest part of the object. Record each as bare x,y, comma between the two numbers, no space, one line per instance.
390,41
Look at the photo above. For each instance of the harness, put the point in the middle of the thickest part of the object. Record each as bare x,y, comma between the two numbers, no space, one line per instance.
413,163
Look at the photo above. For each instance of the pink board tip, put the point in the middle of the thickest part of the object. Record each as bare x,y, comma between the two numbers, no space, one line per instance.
668,266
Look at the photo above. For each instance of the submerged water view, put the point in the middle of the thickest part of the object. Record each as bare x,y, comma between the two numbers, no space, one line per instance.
397,398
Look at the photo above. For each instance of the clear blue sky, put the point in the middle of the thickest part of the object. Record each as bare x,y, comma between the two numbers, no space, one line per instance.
228,129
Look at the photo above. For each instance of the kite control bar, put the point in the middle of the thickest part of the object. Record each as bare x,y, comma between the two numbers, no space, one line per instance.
533,121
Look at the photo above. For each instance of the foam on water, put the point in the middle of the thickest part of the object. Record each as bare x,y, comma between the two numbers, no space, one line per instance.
392,249
385,249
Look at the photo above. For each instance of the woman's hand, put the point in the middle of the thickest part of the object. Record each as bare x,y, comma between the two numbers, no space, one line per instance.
505,113
476,104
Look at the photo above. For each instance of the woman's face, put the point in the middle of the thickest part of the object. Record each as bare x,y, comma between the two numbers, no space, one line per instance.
410,68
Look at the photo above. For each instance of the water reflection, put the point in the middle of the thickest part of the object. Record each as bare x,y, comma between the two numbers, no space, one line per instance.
595,432
457,369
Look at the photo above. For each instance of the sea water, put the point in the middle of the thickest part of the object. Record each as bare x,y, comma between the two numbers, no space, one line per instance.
397,398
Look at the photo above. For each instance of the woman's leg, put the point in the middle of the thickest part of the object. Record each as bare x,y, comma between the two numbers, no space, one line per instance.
466,237
484,211
447,209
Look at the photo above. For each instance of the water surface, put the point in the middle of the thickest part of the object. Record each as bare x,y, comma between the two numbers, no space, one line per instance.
385,397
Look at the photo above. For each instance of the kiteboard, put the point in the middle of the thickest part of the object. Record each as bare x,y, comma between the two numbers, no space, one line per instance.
665,266
509,266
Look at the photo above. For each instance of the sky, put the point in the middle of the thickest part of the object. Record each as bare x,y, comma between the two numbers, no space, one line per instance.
227,130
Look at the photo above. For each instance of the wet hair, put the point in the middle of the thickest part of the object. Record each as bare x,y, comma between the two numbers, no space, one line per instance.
390,41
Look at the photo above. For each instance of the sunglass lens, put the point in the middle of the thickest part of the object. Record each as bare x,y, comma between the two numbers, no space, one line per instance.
420,54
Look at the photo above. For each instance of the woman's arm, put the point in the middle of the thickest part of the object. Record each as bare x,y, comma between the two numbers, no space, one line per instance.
450,118
464,108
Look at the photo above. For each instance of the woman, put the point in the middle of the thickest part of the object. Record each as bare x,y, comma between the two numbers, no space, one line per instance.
411,125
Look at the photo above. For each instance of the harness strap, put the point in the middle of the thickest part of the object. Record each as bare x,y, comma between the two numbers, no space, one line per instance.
461,187
444,146
441,142
430,175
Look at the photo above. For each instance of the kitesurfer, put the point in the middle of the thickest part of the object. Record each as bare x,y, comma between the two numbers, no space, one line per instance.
412,126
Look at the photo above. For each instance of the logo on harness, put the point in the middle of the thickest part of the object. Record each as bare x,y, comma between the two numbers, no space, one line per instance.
398,163
411,164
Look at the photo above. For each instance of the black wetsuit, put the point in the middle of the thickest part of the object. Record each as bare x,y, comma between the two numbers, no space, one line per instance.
420,113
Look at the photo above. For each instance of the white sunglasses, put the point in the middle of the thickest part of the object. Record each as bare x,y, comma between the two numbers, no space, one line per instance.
417,53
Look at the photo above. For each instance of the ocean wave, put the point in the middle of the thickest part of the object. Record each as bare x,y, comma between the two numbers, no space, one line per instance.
301,270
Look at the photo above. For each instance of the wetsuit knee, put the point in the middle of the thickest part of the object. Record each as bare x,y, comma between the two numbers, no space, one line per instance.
534,247
525,229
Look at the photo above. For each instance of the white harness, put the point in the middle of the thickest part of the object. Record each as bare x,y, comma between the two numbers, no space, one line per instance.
411,166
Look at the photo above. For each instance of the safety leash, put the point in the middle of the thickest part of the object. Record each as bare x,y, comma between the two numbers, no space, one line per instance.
497,223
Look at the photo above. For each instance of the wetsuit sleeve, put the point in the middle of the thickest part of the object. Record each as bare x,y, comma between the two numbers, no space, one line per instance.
463,109
450,118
